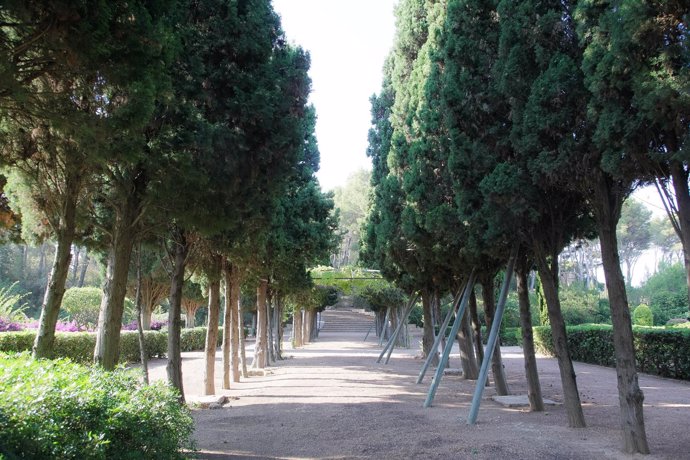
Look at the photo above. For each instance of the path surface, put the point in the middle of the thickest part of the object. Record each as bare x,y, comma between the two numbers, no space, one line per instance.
331,400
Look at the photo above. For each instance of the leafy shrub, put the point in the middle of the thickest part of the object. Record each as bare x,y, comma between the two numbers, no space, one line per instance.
579,306
9,326
59,409
664,352
79,346
60,326
642,316
666,293
156,344
82,305
12,305
195,339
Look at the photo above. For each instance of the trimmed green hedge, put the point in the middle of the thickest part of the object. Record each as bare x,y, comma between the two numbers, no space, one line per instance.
663,352
59,409
79,346
194,339
510,336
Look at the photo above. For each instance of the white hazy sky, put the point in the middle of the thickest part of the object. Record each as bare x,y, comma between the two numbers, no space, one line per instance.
348,41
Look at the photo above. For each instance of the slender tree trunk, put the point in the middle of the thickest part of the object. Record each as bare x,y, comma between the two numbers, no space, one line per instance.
608,204
212,326
548,275
315,326
297,328
42,261
470,369
278,324
179,255
142,340
680,185
75,264
235,326
45,336
428,337
260,349
476,327
146,313
270,317
536,403
307,324
190,317
487,282
107,349
84,267
240,335
380,318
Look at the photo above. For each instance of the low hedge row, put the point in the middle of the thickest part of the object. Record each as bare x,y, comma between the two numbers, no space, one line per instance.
663,352
60,409
79,346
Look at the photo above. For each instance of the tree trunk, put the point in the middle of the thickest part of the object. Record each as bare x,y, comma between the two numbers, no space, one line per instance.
190,318
107,349
146,313
270,317
235,326
607,208
84,267
42,261
278,334
260,349
536,403
212,326
297,328
487,283
140,329
680,186
548,275
315,326
75,264
429,336
179,255
45,336
380,318
470,369
476,327
307,324
240,335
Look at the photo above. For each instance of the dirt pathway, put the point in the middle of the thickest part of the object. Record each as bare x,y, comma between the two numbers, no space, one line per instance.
331,400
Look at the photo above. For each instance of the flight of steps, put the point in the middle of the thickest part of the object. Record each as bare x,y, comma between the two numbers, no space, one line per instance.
346,321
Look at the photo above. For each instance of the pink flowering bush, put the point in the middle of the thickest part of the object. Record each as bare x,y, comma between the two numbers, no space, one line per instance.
9,326
61,326
155,325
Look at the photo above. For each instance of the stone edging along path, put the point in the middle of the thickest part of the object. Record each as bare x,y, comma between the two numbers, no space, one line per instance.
331,400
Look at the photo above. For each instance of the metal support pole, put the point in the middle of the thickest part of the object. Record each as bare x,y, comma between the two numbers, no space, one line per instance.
449,344
390,342
369,331
400,327
384,328
437,339
493,338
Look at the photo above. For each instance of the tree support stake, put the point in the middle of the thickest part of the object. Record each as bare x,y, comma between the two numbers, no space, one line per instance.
442,330
493,338
391,341
449,344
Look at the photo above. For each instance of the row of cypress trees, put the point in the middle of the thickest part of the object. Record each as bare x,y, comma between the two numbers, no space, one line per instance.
504,124
182,123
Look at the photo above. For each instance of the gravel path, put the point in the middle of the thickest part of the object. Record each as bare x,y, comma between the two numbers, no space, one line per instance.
331,400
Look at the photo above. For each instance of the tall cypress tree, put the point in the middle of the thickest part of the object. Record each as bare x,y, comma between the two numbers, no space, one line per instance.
535,72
